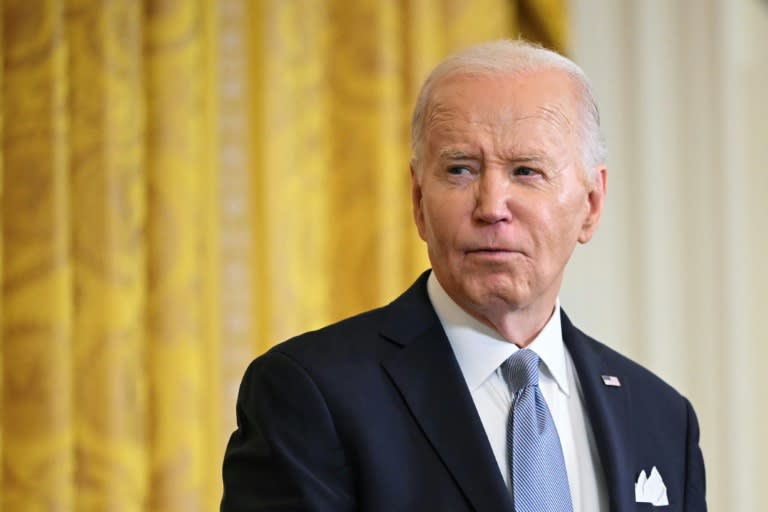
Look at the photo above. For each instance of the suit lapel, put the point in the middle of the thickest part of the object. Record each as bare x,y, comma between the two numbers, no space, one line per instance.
609,412
427,375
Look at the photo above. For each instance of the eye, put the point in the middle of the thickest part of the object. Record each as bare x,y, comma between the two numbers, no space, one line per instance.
524,171
458,170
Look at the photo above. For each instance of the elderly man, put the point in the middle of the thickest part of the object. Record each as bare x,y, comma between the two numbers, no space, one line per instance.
473,390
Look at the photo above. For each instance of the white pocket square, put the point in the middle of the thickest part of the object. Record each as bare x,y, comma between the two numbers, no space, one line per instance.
651,489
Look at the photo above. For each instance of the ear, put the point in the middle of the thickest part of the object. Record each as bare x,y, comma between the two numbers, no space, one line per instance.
597,189
416,198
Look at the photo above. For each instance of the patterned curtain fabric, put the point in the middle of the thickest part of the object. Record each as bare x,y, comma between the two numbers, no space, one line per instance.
184,184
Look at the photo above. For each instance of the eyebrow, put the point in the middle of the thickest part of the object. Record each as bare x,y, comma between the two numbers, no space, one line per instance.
455,154
528,158
458,154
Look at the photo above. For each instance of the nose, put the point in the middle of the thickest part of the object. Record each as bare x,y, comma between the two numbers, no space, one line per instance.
492,198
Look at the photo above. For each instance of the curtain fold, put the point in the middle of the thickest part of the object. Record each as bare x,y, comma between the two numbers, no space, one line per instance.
176,248
184,184
37,407
291,186
368,168
108,251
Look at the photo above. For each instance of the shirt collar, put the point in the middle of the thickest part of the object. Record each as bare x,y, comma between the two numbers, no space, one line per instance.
480,349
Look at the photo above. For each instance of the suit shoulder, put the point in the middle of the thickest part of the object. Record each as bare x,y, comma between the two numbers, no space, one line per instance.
349,338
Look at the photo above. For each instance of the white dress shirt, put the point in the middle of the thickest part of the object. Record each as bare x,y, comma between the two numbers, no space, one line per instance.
480,350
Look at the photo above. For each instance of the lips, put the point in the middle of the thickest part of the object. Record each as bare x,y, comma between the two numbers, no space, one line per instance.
492,254
490,250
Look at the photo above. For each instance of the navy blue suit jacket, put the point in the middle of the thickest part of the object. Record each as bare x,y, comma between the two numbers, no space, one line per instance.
373,414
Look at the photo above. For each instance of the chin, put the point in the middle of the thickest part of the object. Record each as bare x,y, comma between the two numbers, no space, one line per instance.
496,293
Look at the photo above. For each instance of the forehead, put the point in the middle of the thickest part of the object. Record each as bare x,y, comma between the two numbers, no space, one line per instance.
535,105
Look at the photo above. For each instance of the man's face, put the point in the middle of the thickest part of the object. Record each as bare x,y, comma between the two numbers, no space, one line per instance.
500,195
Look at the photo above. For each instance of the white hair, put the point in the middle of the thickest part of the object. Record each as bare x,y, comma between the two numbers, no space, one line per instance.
514,57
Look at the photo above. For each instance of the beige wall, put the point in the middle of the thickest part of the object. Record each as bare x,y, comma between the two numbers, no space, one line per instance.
678,275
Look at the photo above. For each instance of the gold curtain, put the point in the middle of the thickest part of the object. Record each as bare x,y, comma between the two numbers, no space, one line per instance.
184,184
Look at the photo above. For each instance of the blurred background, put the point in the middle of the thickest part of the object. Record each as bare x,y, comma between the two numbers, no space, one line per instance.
186,183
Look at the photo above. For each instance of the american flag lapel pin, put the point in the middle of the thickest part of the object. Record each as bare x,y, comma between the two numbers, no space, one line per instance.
611,380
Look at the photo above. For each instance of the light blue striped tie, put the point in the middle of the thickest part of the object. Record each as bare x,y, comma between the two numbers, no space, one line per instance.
534,455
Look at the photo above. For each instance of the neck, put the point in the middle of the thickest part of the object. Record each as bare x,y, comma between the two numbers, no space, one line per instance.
519,326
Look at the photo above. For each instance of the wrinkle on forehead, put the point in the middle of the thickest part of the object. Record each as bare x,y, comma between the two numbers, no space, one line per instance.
510,131
439,113
555,115
539,131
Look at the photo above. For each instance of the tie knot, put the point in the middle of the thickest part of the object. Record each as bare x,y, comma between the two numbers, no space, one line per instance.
521,370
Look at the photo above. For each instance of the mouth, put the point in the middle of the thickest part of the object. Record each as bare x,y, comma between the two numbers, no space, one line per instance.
491,252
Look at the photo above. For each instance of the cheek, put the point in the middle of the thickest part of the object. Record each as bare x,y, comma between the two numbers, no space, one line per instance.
442,220
434,222
565,227
571,205
552,218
